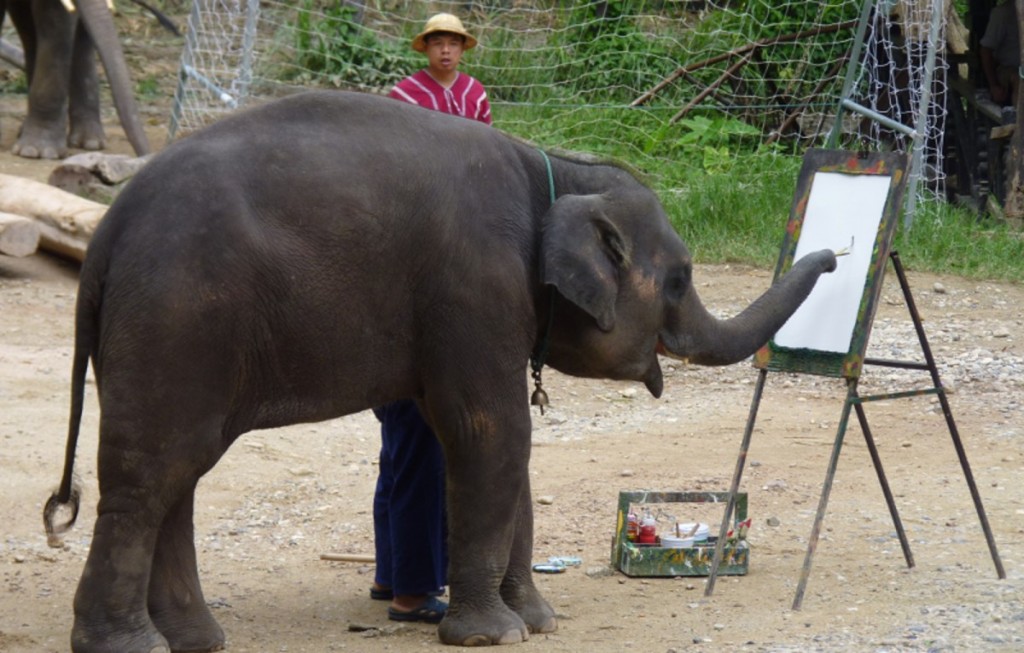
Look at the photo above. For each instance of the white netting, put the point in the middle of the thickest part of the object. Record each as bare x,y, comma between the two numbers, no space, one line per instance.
639,79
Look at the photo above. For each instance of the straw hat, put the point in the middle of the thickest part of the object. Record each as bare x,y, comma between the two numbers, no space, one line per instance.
442,23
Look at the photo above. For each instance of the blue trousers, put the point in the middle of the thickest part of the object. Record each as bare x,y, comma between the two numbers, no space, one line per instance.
409,518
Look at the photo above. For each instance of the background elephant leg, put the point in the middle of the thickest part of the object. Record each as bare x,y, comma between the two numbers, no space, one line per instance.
176,602
517,588
21,18
44,132
86,131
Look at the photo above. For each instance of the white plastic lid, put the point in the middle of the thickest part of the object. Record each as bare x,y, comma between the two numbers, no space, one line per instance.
703,531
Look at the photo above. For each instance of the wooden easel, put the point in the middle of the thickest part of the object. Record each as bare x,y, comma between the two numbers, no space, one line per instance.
850,364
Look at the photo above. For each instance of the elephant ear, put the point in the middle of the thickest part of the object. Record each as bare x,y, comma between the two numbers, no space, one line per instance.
582,254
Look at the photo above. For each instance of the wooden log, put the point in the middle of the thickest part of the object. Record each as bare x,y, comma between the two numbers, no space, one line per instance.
19,236
55,241
79,180
96,175
109,168
66,222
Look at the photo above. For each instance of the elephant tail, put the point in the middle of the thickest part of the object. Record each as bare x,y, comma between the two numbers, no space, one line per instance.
69,494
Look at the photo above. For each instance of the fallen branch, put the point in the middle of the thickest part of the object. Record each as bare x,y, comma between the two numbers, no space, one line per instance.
772,40
711,88
795,113
109,168
347,557
95,175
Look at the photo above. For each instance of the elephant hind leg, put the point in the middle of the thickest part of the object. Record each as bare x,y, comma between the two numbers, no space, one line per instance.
141,552
176,603
110,610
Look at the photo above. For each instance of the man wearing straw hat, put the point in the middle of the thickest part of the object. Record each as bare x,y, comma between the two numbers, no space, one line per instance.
409,517
440,86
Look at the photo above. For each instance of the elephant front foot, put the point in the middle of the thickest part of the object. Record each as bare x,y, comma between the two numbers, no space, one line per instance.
41,139
107,639
39,148
535,612
469,627
87,136
195,631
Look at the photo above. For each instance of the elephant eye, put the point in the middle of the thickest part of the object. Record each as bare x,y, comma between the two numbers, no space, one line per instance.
676,284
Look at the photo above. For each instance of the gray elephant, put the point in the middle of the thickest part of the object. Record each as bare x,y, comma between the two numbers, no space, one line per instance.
63,87
330,252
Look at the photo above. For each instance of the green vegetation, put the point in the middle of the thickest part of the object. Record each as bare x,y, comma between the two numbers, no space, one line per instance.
739,215
333,47
13,81
726,191
609,55
729,197
148,88
954,241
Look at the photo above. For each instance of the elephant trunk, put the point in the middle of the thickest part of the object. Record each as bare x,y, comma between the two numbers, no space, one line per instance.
100,24
705,340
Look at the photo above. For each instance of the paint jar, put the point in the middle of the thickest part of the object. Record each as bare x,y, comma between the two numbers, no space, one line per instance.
699,532
648,530
632,527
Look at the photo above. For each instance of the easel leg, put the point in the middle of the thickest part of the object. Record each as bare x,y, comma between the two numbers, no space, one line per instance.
876,460
948,413
826,489
730,506
979,507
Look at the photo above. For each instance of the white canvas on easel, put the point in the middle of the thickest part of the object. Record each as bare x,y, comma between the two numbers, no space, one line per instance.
843,213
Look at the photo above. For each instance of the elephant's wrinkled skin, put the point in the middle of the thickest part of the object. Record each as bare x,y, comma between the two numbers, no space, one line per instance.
331,252
63,86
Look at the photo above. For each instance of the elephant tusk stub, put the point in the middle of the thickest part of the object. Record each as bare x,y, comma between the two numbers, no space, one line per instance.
662,350
70,5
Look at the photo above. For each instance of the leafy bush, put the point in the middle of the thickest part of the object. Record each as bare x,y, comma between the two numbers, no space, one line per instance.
13,81
608,56
332,45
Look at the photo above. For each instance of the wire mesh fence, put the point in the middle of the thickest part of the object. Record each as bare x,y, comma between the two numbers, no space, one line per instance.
650,81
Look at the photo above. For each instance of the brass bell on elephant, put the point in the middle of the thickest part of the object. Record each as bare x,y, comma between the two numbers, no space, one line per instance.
539,396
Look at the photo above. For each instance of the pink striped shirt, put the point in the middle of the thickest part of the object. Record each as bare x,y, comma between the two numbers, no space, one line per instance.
466,97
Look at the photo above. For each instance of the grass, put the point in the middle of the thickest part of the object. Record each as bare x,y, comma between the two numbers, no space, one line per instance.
947,240
729,196
737,215
740,216
13,81
730,200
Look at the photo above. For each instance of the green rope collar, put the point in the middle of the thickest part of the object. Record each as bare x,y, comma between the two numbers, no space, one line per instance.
540,354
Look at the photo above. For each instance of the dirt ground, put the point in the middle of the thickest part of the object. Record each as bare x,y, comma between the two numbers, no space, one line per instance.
281,498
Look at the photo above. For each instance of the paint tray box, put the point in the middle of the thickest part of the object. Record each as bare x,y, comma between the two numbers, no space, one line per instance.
646,560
